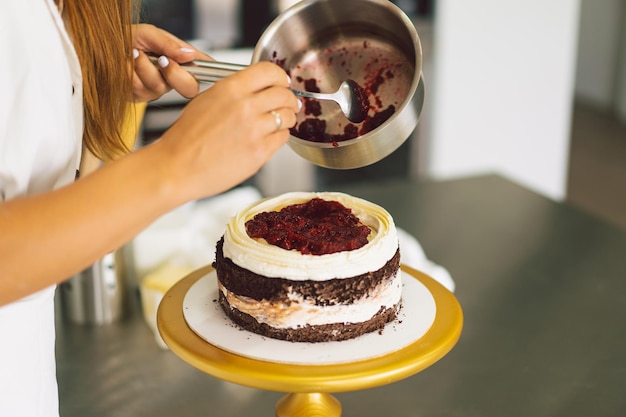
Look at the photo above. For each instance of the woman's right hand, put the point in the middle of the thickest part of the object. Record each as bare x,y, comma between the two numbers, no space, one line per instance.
225,134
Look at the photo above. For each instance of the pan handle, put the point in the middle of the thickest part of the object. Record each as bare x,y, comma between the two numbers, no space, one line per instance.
207,71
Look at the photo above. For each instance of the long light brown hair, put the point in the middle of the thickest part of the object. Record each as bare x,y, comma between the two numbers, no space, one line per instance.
102,35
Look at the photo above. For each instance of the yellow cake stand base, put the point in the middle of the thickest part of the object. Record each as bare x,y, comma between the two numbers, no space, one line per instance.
310,386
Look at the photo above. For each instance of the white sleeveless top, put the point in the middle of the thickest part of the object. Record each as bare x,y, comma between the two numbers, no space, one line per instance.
41,126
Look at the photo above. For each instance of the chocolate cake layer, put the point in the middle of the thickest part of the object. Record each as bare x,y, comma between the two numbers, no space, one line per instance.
308,333
245,283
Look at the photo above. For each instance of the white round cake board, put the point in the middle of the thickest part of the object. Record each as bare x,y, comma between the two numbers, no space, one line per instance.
205,317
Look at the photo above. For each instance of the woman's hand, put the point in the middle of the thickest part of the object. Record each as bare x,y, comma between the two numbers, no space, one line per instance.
225,134
151,82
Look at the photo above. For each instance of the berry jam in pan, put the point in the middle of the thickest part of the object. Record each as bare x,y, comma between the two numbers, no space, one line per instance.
382,72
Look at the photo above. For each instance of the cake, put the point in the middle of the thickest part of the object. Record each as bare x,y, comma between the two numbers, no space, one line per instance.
310,267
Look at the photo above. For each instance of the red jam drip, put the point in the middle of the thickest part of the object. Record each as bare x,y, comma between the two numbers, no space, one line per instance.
317,227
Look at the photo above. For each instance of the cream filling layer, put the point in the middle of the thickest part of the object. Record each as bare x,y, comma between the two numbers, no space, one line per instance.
271,261
300,312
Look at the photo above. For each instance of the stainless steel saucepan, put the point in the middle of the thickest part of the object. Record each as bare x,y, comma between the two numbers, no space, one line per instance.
321,43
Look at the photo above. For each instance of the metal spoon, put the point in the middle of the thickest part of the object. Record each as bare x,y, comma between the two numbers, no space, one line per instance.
350,97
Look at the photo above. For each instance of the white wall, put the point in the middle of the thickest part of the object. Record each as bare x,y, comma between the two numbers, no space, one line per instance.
502,90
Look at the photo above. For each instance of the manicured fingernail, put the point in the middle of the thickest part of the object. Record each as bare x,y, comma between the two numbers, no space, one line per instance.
300,104
288,79
163,61
135,53
187,50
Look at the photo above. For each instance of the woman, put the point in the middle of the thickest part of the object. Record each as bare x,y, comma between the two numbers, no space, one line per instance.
68,71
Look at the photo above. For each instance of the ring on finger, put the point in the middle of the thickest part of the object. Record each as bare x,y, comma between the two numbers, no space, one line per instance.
277,119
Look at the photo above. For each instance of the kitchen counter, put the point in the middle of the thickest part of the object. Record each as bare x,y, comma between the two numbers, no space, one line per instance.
543,290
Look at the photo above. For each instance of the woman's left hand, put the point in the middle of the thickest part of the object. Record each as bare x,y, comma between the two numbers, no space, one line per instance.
151,82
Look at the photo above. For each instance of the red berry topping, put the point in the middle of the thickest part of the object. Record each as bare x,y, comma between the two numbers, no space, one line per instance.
317,227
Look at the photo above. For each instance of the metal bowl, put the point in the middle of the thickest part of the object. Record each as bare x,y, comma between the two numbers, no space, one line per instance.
370,41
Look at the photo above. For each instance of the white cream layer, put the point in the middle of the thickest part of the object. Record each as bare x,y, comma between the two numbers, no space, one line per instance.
271,261
301,312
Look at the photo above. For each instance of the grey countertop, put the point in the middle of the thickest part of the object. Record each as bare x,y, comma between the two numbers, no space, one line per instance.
543,290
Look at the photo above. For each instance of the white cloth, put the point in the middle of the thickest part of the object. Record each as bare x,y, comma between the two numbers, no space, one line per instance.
412,254
41,124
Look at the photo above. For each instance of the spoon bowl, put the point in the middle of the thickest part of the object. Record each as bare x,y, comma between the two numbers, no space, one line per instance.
351,97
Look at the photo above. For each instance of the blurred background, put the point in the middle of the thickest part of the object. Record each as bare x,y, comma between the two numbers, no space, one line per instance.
533,90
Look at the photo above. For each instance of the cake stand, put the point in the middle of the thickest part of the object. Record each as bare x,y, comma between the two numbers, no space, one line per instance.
309,387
